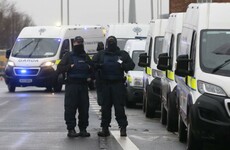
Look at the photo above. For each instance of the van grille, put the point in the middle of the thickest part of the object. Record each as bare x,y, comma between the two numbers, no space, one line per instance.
227,106
26,71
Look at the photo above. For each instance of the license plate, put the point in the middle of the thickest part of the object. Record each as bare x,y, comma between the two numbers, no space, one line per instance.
25,80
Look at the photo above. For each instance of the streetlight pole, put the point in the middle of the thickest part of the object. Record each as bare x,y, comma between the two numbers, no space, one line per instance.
61,12
123,11
151,5
118,11
67,12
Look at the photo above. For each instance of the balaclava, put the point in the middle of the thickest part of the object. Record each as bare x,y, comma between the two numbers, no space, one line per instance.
112,43
79,47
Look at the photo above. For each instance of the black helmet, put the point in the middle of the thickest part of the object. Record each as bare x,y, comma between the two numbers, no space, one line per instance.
112,40
79,39
100,46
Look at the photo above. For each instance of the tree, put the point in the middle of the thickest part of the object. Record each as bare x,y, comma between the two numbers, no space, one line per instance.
11,23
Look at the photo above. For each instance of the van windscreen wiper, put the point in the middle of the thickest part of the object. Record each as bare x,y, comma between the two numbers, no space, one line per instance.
35,47
226,62
18,52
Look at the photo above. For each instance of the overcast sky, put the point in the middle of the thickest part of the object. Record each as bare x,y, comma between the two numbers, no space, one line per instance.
48,12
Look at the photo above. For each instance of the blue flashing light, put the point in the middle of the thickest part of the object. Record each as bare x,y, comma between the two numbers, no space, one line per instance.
23,71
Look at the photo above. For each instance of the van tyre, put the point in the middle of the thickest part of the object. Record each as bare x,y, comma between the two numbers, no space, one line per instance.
182,130
57,87
192,142
144,101
163,115
11,88
172,115
149,104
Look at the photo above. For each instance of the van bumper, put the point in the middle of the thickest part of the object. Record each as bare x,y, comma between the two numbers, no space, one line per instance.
45,78
210,119
135,94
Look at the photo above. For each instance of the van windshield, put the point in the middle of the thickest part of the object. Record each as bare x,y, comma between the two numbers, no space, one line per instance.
158,47
215,51
135,58
35,47
121,43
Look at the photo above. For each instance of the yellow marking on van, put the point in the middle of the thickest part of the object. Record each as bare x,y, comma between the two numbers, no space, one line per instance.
192,83
170,75
149,71
129,78
57,61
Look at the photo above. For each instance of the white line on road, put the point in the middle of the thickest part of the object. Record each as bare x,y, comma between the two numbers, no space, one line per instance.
3,103
125,142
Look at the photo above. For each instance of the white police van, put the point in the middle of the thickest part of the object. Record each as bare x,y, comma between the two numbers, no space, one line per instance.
148,60
37,51
203,67
135,77
166,62
126,31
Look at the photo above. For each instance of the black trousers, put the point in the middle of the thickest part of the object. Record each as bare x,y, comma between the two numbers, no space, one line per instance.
114,94
76,98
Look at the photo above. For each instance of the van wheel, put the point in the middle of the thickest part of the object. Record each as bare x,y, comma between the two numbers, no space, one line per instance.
149,104
163,115
172,115
144,101
192,141
182,130
11,88
49,89
57,87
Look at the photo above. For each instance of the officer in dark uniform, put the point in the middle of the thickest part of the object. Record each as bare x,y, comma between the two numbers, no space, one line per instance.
77,64
112,62
99,82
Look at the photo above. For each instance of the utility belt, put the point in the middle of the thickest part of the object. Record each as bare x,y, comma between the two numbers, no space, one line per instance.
76,80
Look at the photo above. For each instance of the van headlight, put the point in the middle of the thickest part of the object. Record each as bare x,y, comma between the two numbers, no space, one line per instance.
205,87
10,63
135,81
48,64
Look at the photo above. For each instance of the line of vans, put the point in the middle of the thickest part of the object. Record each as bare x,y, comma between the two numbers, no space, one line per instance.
134,77
203,70
189,74
166,63
148,60
38,49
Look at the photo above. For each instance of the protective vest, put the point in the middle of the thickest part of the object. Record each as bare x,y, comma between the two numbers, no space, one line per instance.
80,69
111,69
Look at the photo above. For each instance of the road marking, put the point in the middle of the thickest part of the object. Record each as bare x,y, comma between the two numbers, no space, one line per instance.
3,103
125,142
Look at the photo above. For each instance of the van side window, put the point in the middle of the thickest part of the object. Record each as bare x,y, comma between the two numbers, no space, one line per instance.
193,54
65,47
150,50
171,51
178,43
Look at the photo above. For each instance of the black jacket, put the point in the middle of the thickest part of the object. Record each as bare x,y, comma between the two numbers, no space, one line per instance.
65,65
127,62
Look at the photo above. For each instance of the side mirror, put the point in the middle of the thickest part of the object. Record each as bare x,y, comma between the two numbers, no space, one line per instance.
182,66
8,52
163,62
143,60
63,53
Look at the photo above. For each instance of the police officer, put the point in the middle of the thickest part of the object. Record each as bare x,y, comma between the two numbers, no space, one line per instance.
112,62
99,82
77,64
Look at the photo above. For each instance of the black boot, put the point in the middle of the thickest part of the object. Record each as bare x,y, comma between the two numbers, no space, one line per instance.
104,133
72,133
83,133
123,131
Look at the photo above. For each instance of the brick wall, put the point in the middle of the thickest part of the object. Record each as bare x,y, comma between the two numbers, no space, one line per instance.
181,5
